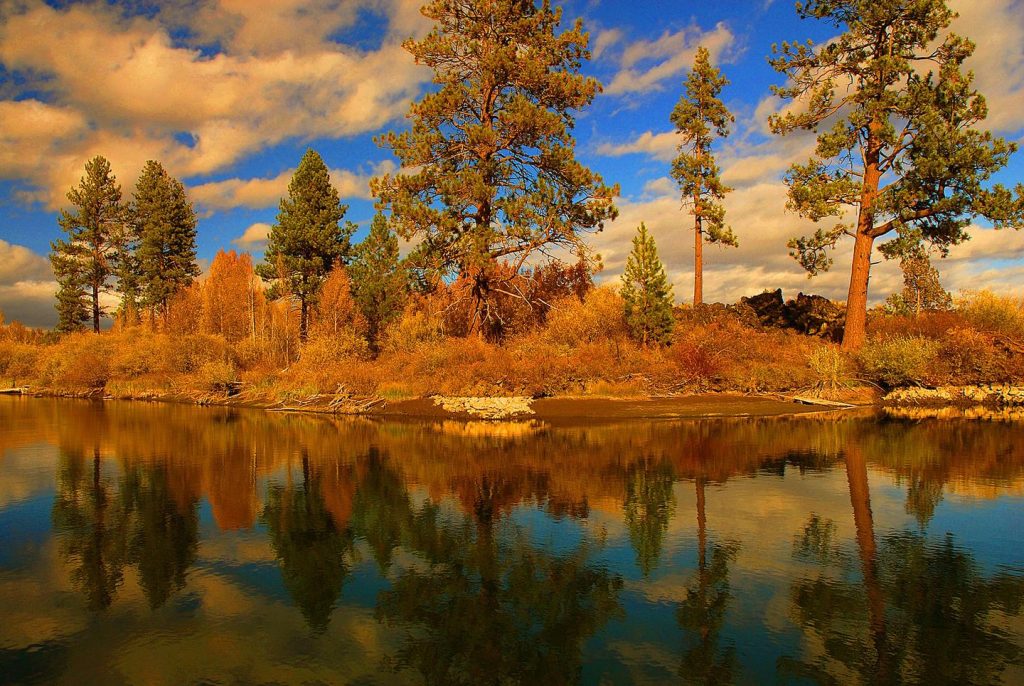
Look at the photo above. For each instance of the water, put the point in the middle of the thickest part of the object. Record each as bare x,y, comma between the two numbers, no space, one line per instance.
162,544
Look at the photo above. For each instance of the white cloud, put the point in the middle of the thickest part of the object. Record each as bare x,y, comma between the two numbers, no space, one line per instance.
123,87
644,64
266,192
255,236
26,286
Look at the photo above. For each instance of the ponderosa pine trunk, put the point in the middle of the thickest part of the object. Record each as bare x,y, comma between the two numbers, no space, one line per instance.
95,308
698,262
855,329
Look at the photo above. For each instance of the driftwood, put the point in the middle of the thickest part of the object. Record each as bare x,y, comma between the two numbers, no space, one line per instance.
804,400
339,402
18,390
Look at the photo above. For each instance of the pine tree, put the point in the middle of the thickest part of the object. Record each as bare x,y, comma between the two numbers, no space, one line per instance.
308,237
647,292
496,176
903,147
379,282
72,299
86,260
164,226
922,289
700,117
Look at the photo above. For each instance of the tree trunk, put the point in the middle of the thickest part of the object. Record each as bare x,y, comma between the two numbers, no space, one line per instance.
303,320
698,262
855,331
860,499
95,308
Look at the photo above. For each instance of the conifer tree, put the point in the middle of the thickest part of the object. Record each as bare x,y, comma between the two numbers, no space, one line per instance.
164,227
308,237
493,172
922,289
647,292
379,282
87,258
902,147
700,117
72,299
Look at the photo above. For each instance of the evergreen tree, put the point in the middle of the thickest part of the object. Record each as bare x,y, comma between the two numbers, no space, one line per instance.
496,175
902,148
379,282
86,260
922,289
72,299
700,117
308,237
164,226
647,292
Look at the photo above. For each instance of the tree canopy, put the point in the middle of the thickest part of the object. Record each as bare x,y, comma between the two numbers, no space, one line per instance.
87,258
899,143
489,165
308,237
700,117
647,292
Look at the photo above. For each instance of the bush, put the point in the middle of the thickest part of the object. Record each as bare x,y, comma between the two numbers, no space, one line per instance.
599,316
325,349
415,327
79,362
991,313
830,367
17,362
216,376
899,360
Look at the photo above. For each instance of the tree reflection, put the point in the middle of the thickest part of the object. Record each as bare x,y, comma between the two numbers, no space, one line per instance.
163,538
91,528
702,614
484,604
309,545
649,505
928,615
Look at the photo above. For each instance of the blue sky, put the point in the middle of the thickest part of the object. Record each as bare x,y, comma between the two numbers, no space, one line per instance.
227,94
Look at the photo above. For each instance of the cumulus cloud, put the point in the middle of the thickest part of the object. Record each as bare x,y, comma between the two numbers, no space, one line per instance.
100,82
645,64
259,193
255,236
27,286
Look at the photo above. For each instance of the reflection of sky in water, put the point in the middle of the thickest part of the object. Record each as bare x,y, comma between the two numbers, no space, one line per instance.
574,508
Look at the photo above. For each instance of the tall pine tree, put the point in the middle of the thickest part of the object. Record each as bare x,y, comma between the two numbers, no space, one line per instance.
87,258
308,237
164,225
379,282
647,292
700,117
903,149
493,172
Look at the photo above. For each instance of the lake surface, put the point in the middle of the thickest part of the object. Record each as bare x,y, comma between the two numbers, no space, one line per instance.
161,544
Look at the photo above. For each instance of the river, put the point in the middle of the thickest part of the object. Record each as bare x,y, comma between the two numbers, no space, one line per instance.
153,543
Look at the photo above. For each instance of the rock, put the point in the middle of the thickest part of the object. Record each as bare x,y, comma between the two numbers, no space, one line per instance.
815,315
486,408
769,308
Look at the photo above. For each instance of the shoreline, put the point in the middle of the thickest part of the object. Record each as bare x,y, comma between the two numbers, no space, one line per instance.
557,409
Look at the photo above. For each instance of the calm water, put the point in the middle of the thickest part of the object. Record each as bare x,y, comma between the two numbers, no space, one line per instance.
158,544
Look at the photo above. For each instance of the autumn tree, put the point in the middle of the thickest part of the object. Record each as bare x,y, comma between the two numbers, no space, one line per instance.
86,259
308,237
489,165
900,149
700,117
164,224
379,282
336,309
922,289
233,300
647,292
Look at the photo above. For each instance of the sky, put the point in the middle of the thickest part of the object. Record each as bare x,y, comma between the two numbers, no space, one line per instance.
228,94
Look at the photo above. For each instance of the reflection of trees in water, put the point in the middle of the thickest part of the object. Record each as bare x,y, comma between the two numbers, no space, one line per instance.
922,613
702,614
91,528
310,546
648,507
106,525
486,605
